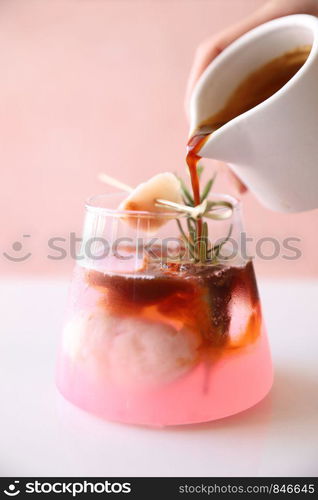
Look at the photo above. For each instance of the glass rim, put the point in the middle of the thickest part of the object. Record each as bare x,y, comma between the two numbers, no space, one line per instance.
91,206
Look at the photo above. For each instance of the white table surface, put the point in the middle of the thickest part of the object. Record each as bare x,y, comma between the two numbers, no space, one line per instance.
41,434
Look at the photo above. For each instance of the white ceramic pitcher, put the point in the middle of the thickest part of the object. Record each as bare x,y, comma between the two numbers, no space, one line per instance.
272,148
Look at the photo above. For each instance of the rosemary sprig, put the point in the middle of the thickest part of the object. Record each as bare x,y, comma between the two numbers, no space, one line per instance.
197,241
189,244
186,196
218,248
214,252
191,224
207,188
203,242
198,247
200,169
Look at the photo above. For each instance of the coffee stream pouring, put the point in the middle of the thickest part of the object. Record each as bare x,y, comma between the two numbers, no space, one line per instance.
256,108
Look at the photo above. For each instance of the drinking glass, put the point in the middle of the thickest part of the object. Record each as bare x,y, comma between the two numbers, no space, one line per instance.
153,337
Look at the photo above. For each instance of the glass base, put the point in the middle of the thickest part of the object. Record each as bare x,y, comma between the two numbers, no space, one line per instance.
212,390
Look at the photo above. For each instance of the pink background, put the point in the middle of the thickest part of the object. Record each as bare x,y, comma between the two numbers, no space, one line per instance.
97,85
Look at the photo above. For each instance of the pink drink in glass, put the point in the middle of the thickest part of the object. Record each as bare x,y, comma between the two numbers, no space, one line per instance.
161,342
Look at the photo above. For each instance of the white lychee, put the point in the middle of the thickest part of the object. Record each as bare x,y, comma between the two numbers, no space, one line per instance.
149,352
87,338
129,351
143,198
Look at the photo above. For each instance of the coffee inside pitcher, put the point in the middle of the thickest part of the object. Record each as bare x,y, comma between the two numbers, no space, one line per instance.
251,91
259,86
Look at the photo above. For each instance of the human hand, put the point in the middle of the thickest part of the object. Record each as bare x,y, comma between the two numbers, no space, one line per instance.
214,45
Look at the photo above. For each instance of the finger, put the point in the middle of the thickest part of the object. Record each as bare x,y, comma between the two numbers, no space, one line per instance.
235,181
238,185
205,53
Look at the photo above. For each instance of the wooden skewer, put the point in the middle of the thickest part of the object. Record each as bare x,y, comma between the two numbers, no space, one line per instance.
111,181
